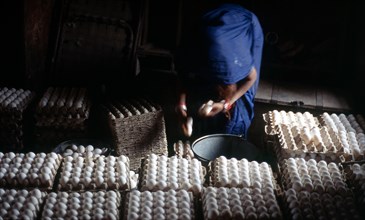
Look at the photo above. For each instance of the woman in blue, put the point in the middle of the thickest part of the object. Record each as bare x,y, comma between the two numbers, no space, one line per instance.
220,65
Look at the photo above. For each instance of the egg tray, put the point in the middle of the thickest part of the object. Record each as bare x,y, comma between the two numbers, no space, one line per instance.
196,205
81,187
244,195
19,205
70,199
210,177
285,153
141,175
285,186
30,186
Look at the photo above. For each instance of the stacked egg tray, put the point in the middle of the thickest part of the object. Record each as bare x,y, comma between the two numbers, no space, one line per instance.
137,127
169,205
30,170
223,172
63,108
355,176
334,137
240,203
159,172
313,190
62,113
95,173
14,106
21,203
103,204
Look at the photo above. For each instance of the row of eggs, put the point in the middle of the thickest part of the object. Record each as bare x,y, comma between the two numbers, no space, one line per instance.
341,122
81,150
127,108
299,119
72,98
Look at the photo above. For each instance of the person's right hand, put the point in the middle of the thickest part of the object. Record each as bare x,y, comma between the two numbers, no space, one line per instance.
185,122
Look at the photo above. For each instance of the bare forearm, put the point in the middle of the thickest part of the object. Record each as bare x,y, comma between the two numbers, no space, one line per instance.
243,86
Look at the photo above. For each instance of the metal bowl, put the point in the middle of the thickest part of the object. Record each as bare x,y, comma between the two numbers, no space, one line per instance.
209,147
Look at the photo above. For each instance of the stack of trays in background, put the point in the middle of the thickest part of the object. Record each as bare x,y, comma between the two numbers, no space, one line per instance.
14,115
62,114
334,138
311,153
137,127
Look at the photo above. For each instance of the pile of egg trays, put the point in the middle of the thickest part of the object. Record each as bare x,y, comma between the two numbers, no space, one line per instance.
160,172
350,131
183,149
169,205
21,203
82,205
320,177
95,173
330,137
298,119
13,104
231,172
137,127
313,205
240,203
28,170
355,174
319,144
63,108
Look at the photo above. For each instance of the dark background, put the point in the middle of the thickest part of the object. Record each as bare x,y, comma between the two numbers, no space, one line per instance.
113,44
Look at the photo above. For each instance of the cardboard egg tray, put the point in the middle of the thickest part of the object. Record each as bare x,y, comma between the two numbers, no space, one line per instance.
165,184
63,108
21,203
171,204
246,182
334,151
93,173
103,204
30,170
240,203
